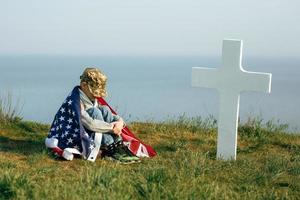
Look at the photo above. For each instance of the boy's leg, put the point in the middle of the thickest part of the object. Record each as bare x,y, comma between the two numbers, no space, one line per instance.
107,114
109,117
95,113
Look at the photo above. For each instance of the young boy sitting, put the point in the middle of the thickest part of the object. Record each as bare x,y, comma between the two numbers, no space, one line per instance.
83,126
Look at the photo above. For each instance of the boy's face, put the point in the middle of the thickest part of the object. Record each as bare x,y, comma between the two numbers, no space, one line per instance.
84,87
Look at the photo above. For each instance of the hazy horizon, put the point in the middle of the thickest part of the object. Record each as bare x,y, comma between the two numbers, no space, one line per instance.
145,87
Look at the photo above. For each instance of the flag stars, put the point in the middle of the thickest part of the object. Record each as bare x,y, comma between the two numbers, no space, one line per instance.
70,140
70,102
66,126
62,110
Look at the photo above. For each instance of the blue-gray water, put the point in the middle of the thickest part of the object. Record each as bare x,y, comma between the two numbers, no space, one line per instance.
144,88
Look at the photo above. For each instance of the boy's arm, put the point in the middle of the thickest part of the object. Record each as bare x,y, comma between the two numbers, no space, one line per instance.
94,124
117,121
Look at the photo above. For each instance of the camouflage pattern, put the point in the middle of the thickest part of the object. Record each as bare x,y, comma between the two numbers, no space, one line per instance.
96,81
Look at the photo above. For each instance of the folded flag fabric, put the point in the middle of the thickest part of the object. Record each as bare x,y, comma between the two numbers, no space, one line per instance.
67,135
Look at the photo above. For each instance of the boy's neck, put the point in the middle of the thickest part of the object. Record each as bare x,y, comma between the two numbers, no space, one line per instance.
87,93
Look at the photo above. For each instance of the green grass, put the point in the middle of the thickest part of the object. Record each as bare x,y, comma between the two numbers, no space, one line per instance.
267,165
9,110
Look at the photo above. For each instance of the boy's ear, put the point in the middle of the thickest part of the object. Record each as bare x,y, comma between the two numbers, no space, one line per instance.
83,84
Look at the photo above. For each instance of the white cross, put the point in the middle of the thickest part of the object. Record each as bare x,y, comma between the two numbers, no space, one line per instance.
230,80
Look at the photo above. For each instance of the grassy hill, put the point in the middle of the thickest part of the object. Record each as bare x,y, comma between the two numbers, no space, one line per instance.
267,165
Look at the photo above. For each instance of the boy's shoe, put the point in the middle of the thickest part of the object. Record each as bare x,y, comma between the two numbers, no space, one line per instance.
110,149
122,154
121,161
125,159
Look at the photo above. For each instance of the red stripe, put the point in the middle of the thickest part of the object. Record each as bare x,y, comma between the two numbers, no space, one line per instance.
57,151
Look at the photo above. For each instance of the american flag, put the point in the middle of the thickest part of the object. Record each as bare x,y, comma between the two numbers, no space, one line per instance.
68,129
69,132
135,145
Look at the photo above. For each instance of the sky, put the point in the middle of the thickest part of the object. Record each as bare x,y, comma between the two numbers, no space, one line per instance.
148,27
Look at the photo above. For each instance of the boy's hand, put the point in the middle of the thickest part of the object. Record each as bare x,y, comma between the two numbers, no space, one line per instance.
117,127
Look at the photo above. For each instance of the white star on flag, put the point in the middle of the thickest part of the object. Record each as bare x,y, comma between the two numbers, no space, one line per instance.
68,126
62,110
70,102
70,140
76,130
70,120
62,118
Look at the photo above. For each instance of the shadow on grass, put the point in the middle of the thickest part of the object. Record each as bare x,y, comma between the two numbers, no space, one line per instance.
250,149
165,147
21,146
294,148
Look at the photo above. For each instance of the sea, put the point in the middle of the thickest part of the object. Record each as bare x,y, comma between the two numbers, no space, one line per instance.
148,88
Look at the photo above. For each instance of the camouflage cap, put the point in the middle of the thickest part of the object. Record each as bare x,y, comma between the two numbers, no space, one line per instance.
95,80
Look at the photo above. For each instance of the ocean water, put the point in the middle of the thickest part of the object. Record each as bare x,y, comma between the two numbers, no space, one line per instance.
148,87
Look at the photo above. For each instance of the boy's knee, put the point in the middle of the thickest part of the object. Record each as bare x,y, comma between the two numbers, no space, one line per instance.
105,109
107,115
95,113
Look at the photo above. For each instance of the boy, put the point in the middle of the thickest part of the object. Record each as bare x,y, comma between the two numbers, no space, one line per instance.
83,126
99,118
